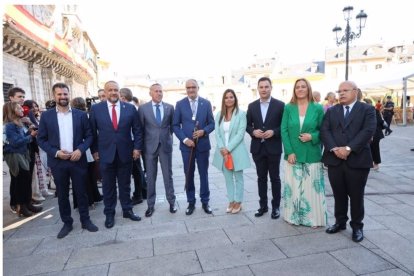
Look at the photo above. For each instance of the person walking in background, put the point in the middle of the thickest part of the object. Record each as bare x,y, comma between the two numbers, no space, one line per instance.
65,135
156,119
91,182
388,112
378,135
264,117
193,122
304,186
16,155
330,101
115,149
140,187
230,126
346,132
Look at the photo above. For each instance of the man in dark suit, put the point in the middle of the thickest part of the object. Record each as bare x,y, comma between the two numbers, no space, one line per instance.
112,123
193,122
65,135
346,132
156,119
264,117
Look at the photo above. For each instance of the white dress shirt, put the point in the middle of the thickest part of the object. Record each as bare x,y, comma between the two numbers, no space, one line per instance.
65,123
117,109
154,109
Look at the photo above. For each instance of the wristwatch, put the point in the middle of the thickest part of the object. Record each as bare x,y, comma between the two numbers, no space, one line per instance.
348,148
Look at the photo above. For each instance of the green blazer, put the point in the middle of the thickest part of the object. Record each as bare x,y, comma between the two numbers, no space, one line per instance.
236,144
309,152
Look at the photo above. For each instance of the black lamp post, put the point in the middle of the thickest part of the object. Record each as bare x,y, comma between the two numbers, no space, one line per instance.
349,35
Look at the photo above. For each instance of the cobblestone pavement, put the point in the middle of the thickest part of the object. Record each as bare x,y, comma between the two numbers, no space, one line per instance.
224,244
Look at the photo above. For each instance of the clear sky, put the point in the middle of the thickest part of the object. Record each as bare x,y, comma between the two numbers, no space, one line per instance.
170,38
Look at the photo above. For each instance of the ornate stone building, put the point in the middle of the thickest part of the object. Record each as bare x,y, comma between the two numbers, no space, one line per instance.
44,44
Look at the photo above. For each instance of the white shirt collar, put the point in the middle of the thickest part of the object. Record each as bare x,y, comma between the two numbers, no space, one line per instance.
266,101
69,110
190,100
350,105
154,103
111,104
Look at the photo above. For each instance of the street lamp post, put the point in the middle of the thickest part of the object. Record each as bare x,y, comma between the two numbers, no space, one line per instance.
349,35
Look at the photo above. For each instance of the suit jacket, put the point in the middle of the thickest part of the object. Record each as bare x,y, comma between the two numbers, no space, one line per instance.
183,124
153,134
356,134
272,122
48,137
309,152
108,141
236,143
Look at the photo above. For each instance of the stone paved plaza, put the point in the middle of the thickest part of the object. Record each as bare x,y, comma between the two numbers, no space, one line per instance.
224,244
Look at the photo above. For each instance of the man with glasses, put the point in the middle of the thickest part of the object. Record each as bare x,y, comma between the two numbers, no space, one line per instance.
193,122
346,132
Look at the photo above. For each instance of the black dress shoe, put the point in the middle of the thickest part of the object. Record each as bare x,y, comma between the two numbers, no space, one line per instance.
64,231
173,208
109,221
149,212
357,235
130,214
207,208
260,212
190,209
136,201
335,228
275,213
88,225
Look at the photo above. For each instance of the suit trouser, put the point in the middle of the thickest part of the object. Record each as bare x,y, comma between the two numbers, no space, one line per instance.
202,165
388,119
348,182
62,173
268,164
234,185
111,172
151,161
375,151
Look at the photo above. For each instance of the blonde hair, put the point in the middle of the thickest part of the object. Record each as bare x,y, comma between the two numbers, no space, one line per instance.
9,113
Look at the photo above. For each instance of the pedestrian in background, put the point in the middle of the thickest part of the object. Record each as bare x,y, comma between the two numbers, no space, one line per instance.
230,126
378,135
388,113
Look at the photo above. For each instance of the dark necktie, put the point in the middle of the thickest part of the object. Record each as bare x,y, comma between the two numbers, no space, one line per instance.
114,117
158,114
346,114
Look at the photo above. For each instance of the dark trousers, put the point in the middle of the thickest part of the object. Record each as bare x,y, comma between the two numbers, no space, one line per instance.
202,165
111,172
348,182
21,188
139,179
375,151
63,173
388,119
268,164
92,190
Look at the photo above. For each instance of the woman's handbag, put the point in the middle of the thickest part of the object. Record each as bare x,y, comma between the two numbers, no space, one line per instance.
228,162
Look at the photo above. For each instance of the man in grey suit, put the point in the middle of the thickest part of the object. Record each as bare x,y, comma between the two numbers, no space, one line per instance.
156,118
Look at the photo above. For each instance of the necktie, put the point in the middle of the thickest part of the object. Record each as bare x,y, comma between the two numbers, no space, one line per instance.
114,117
158,114
193,109
346,114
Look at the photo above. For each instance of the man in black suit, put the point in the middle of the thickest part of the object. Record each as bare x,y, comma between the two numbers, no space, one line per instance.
346,132
264,117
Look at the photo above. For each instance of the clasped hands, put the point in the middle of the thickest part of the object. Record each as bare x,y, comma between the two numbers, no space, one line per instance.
196,134
258,133
72,156
341,152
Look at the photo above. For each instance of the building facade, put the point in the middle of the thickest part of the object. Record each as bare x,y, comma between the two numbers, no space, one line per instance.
45,44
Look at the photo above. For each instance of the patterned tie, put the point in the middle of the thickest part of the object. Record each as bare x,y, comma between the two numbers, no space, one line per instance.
346,114
114,117
158,114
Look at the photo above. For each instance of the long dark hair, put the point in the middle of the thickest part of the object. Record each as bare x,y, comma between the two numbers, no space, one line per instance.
223,106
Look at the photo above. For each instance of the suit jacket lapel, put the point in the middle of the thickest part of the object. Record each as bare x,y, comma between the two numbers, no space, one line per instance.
199,107
122,110
353,113
232,122
55,125
166,110
74,122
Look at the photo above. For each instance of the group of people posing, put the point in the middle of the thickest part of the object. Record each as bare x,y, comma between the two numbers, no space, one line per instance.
117,134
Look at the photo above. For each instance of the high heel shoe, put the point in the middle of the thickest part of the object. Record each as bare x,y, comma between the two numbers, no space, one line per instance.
22,211
236,208
230,208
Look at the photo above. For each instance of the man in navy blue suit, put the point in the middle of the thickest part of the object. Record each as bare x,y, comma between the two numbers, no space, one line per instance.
193,122
65,135
112,123
346,132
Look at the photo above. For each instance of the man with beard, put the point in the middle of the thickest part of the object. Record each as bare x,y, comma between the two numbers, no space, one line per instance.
114,147
65,135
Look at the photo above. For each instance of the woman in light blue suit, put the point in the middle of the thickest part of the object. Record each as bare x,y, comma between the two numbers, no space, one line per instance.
230,129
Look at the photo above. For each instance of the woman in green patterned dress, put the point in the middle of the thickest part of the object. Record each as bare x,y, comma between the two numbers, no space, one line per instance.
304,187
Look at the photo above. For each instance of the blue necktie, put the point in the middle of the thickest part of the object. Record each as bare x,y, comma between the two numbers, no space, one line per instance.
158,114
346,114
